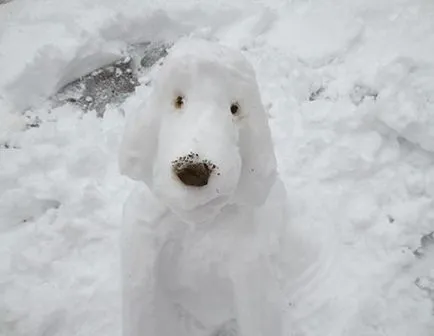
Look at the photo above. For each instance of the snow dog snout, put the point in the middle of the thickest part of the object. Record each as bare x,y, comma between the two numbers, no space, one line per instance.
192,171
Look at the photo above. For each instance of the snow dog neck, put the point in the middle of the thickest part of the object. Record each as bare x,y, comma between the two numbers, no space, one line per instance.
202,139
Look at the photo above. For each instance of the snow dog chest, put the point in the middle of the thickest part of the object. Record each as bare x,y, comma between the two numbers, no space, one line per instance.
195,272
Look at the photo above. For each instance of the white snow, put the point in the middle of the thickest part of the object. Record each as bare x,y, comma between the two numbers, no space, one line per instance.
357,157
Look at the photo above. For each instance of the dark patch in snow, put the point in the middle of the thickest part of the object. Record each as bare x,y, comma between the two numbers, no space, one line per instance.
150,53
32,125
426,284
424,252
427,239
391,219
109,84
114,82
361,92
6,145
426,242
46,205
33,121
316,93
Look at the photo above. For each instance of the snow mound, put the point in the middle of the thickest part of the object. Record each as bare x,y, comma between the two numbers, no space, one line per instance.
10,123
328,39
70,48
406,100
58,226
348,89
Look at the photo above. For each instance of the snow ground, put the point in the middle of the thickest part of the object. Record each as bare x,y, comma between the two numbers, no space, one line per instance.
350,91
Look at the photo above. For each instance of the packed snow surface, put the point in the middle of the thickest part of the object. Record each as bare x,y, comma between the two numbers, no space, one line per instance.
349,88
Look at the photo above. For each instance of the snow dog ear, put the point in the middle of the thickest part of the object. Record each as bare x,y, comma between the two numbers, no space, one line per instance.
257,152
139,143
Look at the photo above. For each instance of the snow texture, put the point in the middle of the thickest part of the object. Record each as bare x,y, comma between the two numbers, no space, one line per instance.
348,89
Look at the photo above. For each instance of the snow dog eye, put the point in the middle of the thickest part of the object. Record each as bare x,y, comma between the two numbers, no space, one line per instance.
235,108
178,102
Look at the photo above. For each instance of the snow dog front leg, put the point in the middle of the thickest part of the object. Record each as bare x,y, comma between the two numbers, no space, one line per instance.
257,297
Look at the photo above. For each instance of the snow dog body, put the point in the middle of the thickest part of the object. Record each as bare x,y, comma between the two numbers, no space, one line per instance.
202,235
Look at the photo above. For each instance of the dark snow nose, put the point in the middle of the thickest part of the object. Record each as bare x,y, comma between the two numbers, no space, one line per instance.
195,174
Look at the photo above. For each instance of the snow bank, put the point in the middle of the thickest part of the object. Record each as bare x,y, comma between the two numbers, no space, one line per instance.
34,69
78,38
10,123
406,101
357,177
60,205
347,89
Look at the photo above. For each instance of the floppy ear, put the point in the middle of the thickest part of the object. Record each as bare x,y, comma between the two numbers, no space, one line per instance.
258,172
139,144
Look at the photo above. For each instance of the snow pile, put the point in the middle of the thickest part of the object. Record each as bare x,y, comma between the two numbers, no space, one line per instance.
407,101
78,38
10,123
61,198
348,87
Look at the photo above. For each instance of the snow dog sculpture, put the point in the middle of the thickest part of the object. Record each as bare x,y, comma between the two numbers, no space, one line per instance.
202,235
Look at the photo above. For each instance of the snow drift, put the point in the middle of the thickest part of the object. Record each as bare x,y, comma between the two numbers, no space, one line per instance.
350,107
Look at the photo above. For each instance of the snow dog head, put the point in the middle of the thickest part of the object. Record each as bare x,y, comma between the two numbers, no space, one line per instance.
202,140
